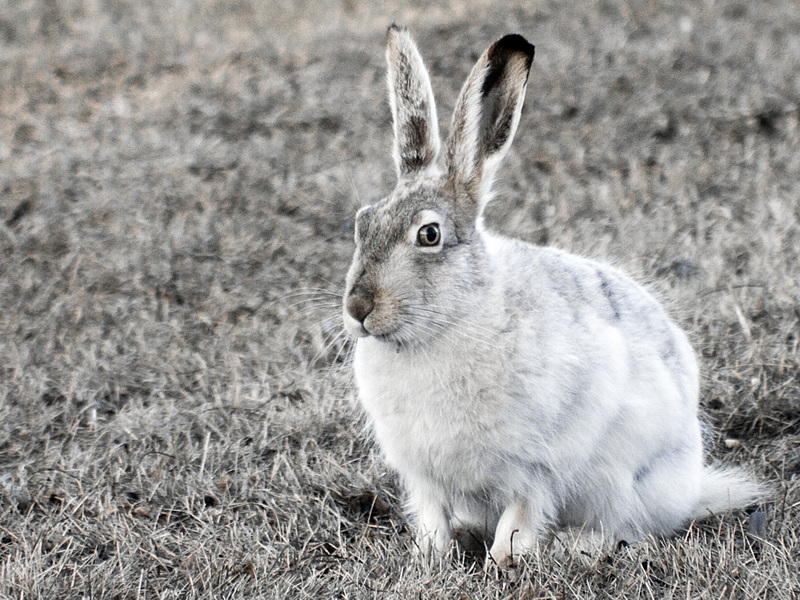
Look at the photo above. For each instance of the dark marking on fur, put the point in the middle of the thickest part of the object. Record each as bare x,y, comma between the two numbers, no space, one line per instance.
501,53
608,292
669,350
502,131
564,284
663,456
580,292
493,77
642,473
415,149
497,120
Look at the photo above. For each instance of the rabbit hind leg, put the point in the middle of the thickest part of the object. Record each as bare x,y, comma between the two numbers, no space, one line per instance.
666,491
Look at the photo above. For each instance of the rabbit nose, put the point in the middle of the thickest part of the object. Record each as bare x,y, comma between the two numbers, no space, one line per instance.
360,306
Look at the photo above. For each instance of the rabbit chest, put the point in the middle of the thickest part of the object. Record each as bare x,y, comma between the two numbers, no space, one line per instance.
433,417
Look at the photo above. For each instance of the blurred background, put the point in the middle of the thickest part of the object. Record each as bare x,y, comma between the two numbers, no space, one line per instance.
177,186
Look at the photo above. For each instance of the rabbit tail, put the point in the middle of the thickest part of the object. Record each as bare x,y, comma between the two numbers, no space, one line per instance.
726,488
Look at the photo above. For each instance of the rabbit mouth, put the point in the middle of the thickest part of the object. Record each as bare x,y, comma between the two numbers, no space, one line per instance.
363,329
398,333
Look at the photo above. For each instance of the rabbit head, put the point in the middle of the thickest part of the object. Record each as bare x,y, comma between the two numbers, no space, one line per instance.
420,249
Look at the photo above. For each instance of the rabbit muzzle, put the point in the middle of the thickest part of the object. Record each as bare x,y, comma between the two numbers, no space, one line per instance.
371,310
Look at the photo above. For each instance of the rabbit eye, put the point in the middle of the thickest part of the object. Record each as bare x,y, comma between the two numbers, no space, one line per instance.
429,235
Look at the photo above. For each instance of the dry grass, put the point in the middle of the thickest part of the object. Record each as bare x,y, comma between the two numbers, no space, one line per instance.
176,419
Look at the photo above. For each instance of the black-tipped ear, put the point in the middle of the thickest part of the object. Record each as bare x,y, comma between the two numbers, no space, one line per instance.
510,60
416,129
487,115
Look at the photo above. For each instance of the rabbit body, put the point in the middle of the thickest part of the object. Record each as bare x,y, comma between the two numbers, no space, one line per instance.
514,388
547,394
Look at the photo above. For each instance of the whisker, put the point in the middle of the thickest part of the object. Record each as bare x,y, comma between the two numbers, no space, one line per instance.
312,300
311,290
460,327
341,341
307,309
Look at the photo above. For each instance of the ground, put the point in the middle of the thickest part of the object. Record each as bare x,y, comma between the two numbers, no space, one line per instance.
177,186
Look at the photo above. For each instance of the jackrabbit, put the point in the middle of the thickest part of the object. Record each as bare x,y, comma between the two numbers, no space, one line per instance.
514,388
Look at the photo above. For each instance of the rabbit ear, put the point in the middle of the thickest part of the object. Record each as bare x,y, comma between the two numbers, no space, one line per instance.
416,130
486,116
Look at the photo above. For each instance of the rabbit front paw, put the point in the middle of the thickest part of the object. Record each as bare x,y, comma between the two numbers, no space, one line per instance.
433,535
518,532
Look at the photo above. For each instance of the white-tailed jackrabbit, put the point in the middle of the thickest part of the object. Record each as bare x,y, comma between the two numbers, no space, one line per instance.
514,388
